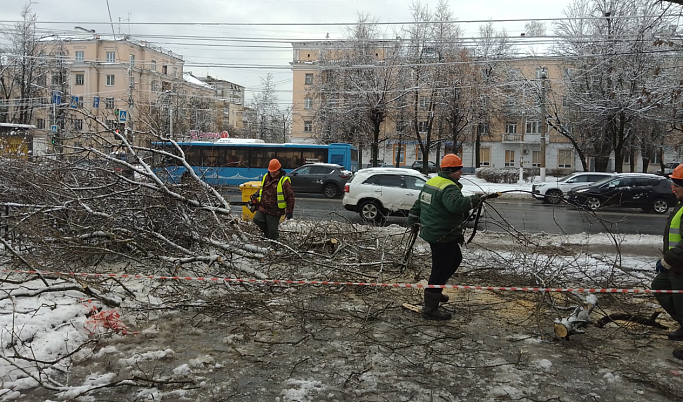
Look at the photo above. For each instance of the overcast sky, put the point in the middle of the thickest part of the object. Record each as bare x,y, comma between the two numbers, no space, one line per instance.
207,50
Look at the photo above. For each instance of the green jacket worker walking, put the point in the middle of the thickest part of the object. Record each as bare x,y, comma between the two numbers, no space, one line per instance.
439,213
670,267
275,198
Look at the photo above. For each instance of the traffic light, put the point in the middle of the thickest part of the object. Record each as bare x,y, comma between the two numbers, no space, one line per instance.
116,113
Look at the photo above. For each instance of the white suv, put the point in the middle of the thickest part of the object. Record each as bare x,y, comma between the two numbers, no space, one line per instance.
554,191
376,193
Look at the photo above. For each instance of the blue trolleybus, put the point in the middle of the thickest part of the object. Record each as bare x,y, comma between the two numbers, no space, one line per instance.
235,161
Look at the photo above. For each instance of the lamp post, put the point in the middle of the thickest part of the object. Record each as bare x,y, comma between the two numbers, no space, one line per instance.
544,122
521,150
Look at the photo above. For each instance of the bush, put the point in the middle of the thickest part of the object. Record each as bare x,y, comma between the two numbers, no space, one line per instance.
505,175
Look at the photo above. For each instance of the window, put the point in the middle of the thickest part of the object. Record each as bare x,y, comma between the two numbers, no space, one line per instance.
422,126
153,66
510,128
308,79
536,158
533,127
424,102
108,103
164,69
308,126
401,158
78,124
111,124
80,78
132,61
111,57
655,158
308,103
565,157
485,156
56,79
413,183
175,72
80,56
155,86
483,129
40,124
42,80
110,80
131,81
627,158
509,157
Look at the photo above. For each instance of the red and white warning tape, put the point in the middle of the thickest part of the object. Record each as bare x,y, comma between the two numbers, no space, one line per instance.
334,283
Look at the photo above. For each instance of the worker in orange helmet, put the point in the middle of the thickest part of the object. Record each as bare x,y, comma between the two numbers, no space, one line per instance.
439,214
670,267
274,199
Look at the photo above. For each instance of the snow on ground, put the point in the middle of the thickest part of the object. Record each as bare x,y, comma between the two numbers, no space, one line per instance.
377,353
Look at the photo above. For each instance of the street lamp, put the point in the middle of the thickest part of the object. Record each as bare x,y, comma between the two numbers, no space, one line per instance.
544,122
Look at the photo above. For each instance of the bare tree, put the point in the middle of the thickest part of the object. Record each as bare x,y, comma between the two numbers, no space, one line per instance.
22,70
618,71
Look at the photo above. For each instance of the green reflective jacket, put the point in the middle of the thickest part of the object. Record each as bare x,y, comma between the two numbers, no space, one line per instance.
441,210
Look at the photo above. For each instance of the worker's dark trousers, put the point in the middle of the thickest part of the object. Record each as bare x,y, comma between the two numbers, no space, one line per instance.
671,303
446,258
268,224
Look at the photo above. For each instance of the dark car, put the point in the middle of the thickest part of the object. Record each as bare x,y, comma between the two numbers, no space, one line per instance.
326,178
629,190
431,167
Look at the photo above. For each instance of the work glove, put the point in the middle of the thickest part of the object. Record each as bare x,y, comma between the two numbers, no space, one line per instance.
661,266
491,196
289,215
415,228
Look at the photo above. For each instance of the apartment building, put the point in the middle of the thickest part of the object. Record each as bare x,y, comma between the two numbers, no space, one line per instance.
509,137
231,96
95,84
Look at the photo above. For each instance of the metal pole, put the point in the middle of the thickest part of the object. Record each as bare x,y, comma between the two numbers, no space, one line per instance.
544,122
521,150
170,118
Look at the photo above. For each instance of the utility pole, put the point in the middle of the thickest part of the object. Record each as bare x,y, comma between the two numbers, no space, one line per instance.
521,150
544,122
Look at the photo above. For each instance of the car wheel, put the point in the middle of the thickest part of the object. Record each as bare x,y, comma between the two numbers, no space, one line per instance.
330,190
370,211
593,203
553,196
660,206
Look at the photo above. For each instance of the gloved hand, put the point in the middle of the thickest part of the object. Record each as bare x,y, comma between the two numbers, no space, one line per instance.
289,215
491,196
415,228
660,266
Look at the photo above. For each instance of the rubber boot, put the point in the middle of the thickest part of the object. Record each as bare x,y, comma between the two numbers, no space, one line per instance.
444,298
676,335
431,309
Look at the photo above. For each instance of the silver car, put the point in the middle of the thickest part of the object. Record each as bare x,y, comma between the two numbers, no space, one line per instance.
554,191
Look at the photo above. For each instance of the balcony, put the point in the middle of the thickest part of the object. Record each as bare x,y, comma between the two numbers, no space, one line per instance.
526,138
512,137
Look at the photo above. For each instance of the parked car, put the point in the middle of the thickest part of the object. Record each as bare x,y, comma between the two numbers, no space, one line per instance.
380,163
629,190
668,168
326,178
431,166
119,168
376,193
554,191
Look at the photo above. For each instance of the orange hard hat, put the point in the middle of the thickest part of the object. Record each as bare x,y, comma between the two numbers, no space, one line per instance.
677,173
274,165
451,161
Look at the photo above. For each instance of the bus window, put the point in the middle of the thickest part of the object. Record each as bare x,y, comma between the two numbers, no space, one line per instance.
315,155
210,157
193,156
289,158
237,157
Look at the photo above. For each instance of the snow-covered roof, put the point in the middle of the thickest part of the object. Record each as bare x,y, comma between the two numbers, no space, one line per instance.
188,77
